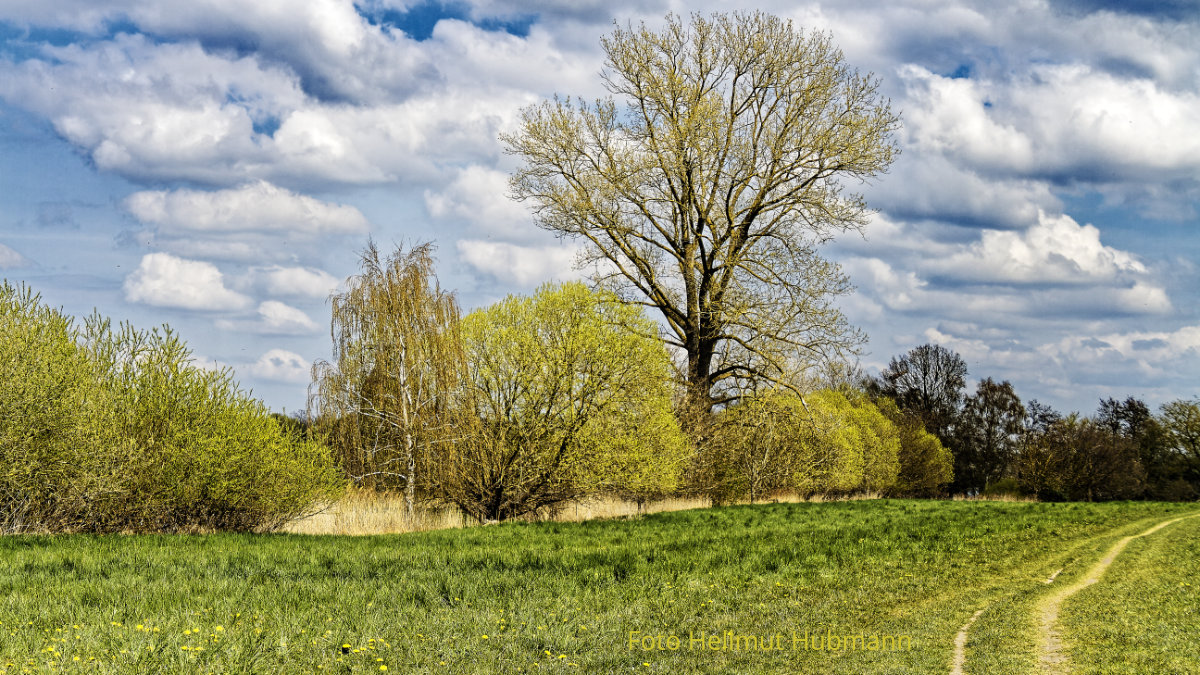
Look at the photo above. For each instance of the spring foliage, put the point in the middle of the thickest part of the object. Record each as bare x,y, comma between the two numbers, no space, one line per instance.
704,184
569,395
115,429
824,442
384,400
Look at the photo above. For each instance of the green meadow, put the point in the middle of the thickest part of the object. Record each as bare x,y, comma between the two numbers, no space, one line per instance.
837,587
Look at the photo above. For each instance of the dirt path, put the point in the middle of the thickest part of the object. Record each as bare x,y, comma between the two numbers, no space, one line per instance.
1051,658
960,645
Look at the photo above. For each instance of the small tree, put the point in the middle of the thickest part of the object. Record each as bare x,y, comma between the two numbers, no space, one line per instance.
1181,430
988,434
1081,459
759,445
821,443
567,397
384,399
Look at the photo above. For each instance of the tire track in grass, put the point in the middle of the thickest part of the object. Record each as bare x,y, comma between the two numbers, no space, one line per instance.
1051,658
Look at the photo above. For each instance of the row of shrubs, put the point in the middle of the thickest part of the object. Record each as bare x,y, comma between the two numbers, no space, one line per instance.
107,428
827,441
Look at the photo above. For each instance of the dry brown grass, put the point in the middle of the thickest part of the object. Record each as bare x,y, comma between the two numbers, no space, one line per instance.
362,512
367,512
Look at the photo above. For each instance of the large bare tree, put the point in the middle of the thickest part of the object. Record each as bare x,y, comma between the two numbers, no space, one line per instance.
707,194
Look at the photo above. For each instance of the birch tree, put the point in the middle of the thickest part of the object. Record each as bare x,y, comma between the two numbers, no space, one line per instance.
384,399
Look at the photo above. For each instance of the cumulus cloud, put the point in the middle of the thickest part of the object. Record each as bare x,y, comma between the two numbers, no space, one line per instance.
1055,270
521,265
305,282
1056,250
1056,121
1162,347
163,280
274,318
253,223
256,207
322,96
281,365
934,187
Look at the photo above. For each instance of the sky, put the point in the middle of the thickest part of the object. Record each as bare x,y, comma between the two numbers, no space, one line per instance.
218,165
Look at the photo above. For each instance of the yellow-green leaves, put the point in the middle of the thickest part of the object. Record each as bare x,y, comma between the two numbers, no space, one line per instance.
106,429
705,184
819,443
572,396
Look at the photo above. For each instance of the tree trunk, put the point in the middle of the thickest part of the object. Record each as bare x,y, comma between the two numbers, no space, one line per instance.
410,482
699,379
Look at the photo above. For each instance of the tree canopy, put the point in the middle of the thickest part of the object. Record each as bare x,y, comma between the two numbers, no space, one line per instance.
567,397
707,194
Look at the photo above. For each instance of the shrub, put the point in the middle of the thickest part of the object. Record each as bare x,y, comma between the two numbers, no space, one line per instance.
926,465
52,420
568,395
819,443
108,430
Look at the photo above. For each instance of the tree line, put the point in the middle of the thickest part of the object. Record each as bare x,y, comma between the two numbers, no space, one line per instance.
537,401
999,444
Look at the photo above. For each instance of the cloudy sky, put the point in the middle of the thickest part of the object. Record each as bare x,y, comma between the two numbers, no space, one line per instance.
217,164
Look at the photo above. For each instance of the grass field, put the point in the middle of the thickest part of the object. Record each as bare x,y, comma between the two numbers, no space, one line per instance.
580,597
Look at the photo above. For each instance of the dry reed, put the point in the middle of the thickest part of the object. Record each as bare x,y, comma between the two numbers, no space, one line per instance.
363,512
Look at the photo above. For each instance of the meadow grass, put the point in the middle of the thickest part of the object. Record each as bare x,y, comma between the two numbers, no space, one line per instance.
1144,614
556,597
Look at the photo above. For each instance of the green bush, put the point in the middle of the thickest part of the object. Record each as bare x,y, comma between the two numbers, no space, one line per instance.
926,466
822,442
569,396
52,419
117,430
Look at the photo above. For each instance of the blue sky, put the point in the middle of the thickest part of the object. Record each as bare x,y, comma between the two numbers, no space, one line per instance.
217,164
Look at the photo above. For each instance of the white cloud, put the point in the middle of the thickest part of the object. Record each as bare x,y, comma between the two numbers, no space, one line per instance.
307,282
479,196
279,318
521,265
281,365
163,280
10,259
274,318
930,185
1055,250
255,207
949,116
1056,120
333,98
1159,346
